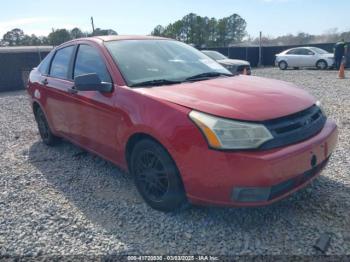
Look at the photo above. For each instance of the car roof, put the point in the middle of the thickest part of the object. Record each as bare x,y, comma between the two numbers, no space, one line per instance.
299,47
107,38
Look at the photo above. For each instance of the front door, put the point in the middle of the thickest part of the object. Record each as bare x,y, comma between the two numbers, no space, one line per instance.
95,121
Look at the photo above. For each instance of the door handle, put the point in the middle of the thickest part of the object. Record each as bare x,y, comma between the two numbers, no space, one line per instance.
45,82
72,90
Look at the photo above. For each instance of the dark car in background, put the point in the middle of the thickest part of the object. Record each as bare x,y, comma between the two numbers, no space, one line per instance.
235,66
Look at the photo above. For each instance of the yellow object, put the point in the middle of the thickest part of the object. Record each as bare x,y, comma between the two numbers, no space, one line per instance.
209,134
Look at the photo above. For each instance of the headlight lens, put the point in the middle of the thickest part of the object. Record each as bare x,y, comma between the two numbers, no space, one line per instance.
230,134
230,67
319,104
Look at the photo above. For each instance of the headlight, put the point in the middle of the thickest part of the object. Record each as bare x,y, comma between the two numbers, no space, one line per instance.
319,104
230,67
229,134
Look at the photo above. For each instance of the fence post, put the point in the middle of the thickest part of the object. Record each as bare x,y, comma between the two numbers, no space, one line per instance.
260,50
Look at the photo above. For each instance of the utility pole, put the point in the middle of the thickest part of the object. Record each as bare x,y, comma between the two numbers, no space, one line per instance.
260,50
93,26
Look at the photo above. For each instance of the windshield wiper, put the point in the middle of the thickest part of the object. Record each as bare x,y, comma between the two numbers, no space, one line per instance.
207,75
156,82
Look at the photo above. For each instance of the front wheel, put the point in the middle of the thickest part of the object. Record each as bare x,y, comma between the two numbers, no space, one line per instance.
44,130
322,65
156,177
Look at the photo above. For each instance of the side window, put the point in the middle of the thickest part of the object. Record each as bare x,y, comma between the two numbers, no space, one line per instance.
309,52
89,61
60,63
292,52
303,51
45,64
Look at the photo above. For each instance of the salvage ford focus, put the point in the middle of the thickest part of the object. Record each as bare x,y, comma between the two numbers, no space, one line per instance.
186,128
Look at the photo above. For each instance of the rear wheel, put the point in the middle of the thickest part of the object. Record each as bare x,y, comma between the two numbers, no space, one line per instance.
283,65
156,177
322,65
44,130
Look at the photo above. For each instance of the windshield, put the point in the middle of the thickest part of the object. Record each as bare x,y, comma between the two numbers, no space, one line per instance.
215,55
319,50
154,60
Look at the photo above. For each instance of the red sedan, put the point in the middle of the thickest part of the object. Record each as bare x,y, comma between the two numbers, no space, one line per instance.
186,128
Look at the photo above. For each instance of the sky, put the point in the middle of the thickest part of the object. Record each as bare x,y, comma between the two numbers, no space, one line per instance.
272,17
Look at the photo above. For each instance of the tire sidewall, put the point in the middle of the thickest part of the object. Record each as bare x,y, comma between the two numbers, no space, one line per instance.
322,68
283,63
40,116
175,196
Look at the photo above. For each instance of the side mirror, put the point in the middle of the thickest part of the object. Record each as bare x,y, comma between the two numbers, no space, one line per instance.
91,82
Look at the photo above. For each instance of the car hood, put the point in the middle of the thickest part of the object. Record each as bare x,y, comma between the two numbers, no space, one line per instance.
240,97
235,62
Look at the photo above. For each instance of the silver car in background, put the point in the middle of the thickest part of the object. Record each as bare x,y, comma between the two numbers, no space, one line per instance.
305,57
235,66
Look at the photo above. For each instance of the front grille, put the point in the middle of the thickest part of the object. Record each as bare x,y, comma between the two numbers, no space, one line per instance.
284,187
294,128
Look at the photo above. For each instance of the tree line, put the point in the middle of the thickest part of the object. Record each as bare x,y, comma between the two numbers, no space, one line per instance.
204,31
16,37
331,36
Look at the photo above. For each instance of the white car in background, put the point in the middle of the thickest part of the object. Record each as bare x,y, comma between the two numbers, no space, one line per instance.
305,57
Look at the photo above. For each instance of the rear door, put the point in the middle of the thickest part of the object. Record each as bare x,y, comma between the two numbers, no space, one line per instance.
307,57
94,120
292,58
57,82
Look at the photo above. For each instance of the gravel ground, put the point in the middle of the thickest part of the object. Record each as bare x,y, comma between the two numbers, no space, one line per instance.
62,200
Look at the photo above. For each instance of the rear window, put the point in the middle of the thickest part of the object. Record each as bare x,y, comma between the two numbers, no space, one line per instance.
45,64
319,50
60,63
292,52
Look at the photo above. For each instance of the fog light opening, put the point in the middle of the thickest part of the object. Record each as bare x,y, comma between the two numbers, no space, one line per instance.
251,194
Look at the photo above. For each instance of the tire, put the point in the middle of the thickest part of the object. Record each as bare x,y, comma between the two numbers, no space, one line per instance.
283,65
322,65
156,177
44,130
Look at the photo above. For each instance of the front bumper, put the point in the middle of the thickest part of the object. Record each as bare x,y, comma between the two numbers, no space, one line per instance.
330,62
210,177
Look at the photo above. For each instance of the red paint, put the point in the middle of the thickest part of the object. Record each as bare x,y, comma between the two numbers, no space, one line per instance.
103,124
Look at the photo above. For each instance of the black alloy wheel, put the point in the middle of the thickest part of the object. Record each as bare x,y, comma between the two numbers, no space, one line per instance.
44,130
156,177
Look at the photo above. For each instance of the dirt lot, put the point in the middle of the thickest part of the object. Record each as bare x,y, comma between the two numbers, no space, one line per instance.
61,200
